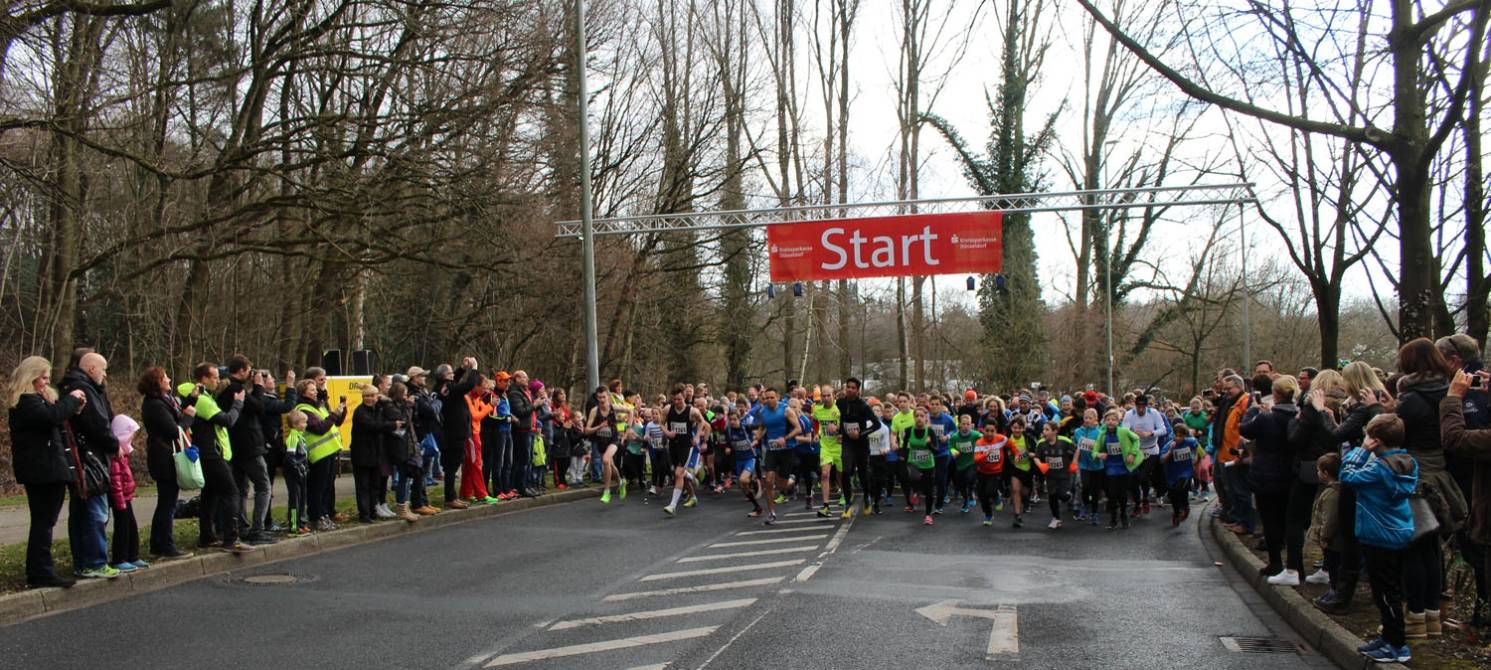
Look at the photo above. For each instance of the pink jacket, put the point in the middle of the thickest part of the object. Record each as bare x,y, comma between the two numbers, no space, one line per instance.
121,482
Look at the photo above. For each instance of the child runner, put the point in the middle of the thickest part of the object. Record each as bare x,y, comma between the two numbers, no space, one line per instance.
1090,467
1057,457
1121,455
739,444
1179,457
1020,464
882,447
920,443
1383,476
658,448
633,461
942,424
962,443
988,458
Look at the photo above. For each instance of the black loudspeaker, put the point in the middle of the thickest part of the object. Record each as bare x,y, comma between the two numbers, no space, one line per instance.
364,361
331,361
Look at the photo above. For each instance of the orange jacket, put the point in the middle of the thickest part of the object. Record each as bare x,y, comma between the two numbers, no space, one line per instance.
480,409
1227,452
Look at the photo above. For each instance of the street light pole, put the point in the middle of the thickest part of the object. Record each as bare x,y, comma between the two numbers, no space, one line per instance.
1247,325
587,231
1108,272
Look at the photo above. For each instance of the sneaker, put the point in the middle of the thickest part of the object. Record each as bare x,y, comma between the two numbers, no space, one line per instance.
622,492
988,520
1318,577
1035,499
927,520
999,506
606,497
237,548
1058,524
1372,646
754,514
1053,525
172,553
382,512
1285,578
652,490
562,486
843,502
847,514
937,510
780,499
909,509
1389,654
125,567
916,499
670,510
692,501
1018,522
771,519
823,512
967,505
260,540
489,500
101,572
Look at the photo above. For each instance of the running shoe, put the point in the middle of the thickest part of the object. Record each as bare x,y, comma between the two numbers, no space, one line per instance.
1318,577
606,497
101,572
910,509
140,564
927,520
1372,646
771,519
1019,522
847,514
916,499
622,491
988,520
780,499
967,505
692,501
125,567
866,510
670,510
755,513
843,502
652,490
937,510
999,506
489,500
1053,525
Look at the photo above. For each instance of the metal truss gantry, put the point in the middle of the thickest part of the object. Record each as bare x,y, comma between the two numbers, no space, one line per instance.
1125,198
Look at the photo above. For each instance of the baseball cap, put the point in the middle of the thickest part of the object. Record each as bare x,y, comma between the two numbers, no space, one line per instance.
1091,397
415,371
502,376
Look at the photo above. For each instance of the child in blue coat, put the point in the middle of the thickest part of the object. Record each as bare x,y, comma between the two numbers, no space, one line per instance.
1179,457
1383,476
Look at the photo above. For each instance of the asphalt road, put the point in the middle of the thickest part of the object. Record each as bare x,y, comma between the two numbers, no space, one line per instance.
619,587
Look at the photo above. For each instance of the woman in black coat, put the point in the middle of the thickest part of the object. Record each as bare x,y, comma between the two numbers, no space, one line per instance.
40,459
1272,475
164,419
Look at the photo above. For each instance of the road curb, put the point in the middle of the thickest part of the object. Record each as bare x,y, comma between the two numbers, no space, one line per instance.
26,605
1316,628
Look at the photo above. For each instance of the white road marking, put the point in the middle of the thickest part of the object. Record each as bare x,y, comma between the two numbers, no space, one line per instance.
1004,637
732,640
722,586
799,514
748,554
654,614
832,546
659,666
804,529
779,540
596,647
724,570
826,522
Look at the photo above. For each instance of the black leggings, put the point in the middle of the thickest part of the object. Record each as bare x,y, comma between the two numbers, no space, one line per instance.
1273,511
963,482
856,462
162,539
926,483
1180,498
988,492
632,468
1058,490
1297,521
1423,573
879,482
44,501
126,535
1092,489
1118,496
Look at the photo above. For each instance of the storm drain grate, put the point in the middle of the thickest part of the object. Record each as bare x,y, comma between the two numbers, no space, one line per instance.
274,579
1261,645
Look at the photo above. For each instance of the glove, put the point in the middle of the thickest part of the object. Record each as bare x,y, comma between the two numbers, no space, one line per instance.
192,453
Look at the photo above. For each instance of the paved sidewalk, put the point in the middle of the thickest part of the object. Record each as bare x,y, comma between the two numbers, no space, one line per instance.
14,521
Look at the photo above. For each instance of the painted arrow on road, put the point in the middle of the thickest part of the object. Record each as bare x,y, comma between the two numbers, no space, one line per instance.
1003,639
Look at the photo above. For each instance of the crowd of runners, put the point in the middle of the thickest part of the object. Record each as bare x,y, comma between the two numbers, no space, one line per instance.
1383,472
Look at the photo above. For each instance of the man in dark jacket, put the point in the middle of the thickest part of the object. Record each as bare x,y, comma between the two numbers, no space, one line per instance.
520,403
451,387
87,520
857,421
1464,354
272,423
249,448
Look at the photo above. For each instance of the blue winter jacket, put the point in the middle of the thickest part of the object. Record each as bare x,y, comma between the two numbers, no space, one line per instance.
1383,484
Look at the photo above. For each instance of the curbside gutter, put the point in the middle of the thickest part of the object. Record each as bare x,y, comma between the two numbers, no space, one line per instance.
26,605
1315,627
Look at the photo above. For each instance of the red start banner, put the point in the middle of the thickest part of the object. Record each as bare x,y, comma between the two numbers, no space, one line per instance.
890,246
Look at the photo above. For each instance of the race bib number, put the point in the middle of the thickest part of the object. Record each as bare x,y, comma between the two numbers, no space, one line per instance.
678,427
1055,462
939,429
991,454
603,431
921,455
1115,449
1088,445
1180,454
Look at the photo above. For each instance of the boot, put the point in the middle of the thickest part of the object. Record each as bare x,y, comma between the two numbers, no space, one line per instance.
1415,626
426,510
404,513
1432,625
381,511
1447,605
